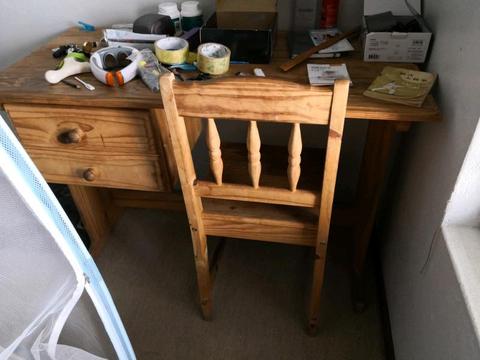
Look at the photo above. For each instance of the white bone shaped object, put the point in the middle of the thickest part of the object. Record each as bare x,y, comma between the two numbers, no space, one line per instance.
70,67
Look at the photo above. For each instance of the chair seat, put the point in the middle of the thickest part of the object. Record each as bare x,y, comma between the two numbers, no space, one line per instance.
264,222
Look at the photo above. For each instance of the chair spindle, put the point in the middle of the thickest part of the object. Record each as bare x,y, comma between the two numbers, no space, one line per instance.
253,146
215,154
294,156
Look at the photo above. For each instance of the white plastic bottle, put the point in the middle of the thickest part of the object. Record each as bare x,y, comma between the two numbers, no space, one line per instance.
170,8
192,15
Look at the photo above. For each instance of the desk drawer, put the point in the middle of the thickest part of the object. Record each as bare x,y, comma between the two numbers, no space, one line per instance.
93,129
123,171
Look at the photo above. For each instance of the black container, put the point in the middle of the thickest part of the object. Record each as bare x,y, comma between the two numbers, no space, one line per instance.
249,35
154,24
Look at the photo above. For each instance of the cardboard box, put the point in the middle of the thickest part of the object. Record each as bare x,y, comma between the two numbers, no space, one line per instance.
225,8
411,47
249,35
246,6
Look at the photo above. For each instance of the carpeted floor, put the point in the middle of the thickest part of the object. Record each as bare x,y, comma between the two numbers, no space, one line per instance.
259,297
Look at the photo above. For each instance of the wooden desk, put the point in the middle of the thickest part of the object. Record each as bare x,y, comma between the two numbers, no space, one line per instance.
126,145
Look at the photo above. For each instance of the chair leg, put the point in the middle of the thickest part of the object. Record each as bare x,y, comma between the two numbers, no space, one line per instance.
317,284
204,280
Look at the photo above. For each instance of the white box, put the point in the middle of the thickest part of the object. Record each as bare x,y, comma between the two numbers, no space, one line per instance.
411,47
397,7
408,47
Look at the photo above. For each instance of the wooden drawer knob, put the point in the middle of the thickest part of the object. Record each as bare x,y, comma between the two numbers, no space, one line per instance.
89,174
73,136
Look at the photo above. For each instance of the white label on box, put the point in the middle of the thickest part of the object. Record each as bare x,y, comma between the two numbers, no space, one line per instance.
396,47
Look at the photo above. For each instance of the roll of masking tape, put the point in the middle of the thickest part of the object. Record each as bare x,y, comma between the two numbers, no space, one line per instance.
213,58
171,50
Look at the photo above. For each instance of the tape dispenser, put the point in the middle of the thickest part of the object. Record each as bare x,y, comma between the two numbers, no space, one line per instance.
104,64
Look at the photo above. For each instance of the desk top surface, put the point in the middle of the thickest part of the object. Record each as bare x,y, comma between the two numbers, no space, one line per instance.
24,82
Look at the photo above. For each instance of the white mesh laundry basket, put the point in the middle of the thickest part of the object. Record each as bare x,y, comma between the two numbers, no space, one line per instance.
44,270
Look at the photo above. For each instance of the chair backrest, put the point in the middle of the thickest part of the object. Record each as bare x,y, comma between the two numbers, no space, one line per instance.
255,99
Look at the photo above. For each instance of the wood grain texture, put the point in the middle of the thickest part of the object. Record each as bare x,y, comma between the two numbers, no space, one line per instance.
269,195
193,203
294,156
110,170
94,214
193,126
162,135
334,144
114,211
376,159
94,129
251,216
274,166
254,98
214,152
254,156
343,215
317,285
376,156
262,222
147,199
24,82
297,60
332,157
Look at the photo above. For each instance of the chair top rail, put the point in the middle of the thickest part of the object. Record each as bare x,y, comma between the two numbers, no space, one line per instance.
254,98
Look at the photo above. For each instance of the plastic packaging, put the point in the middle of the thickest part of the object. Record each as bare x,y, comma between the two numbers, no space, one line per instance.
170,8
192,15
150,70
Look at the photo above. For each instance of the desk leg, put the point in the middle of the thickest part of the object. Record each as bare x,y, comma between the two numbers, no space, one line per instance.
376,155
97,213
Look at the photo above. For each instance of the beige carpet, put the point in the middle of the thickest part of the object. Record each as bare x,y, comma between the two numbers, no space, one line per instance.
259,297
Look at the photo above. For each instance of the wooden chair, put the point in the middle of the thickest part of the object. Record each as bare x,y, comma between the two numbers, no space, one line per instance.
262,210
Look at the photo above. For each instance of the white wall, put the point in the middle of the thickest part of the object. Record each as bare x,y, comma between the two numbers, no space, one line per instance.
428,313
429,318
26,24
464,205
